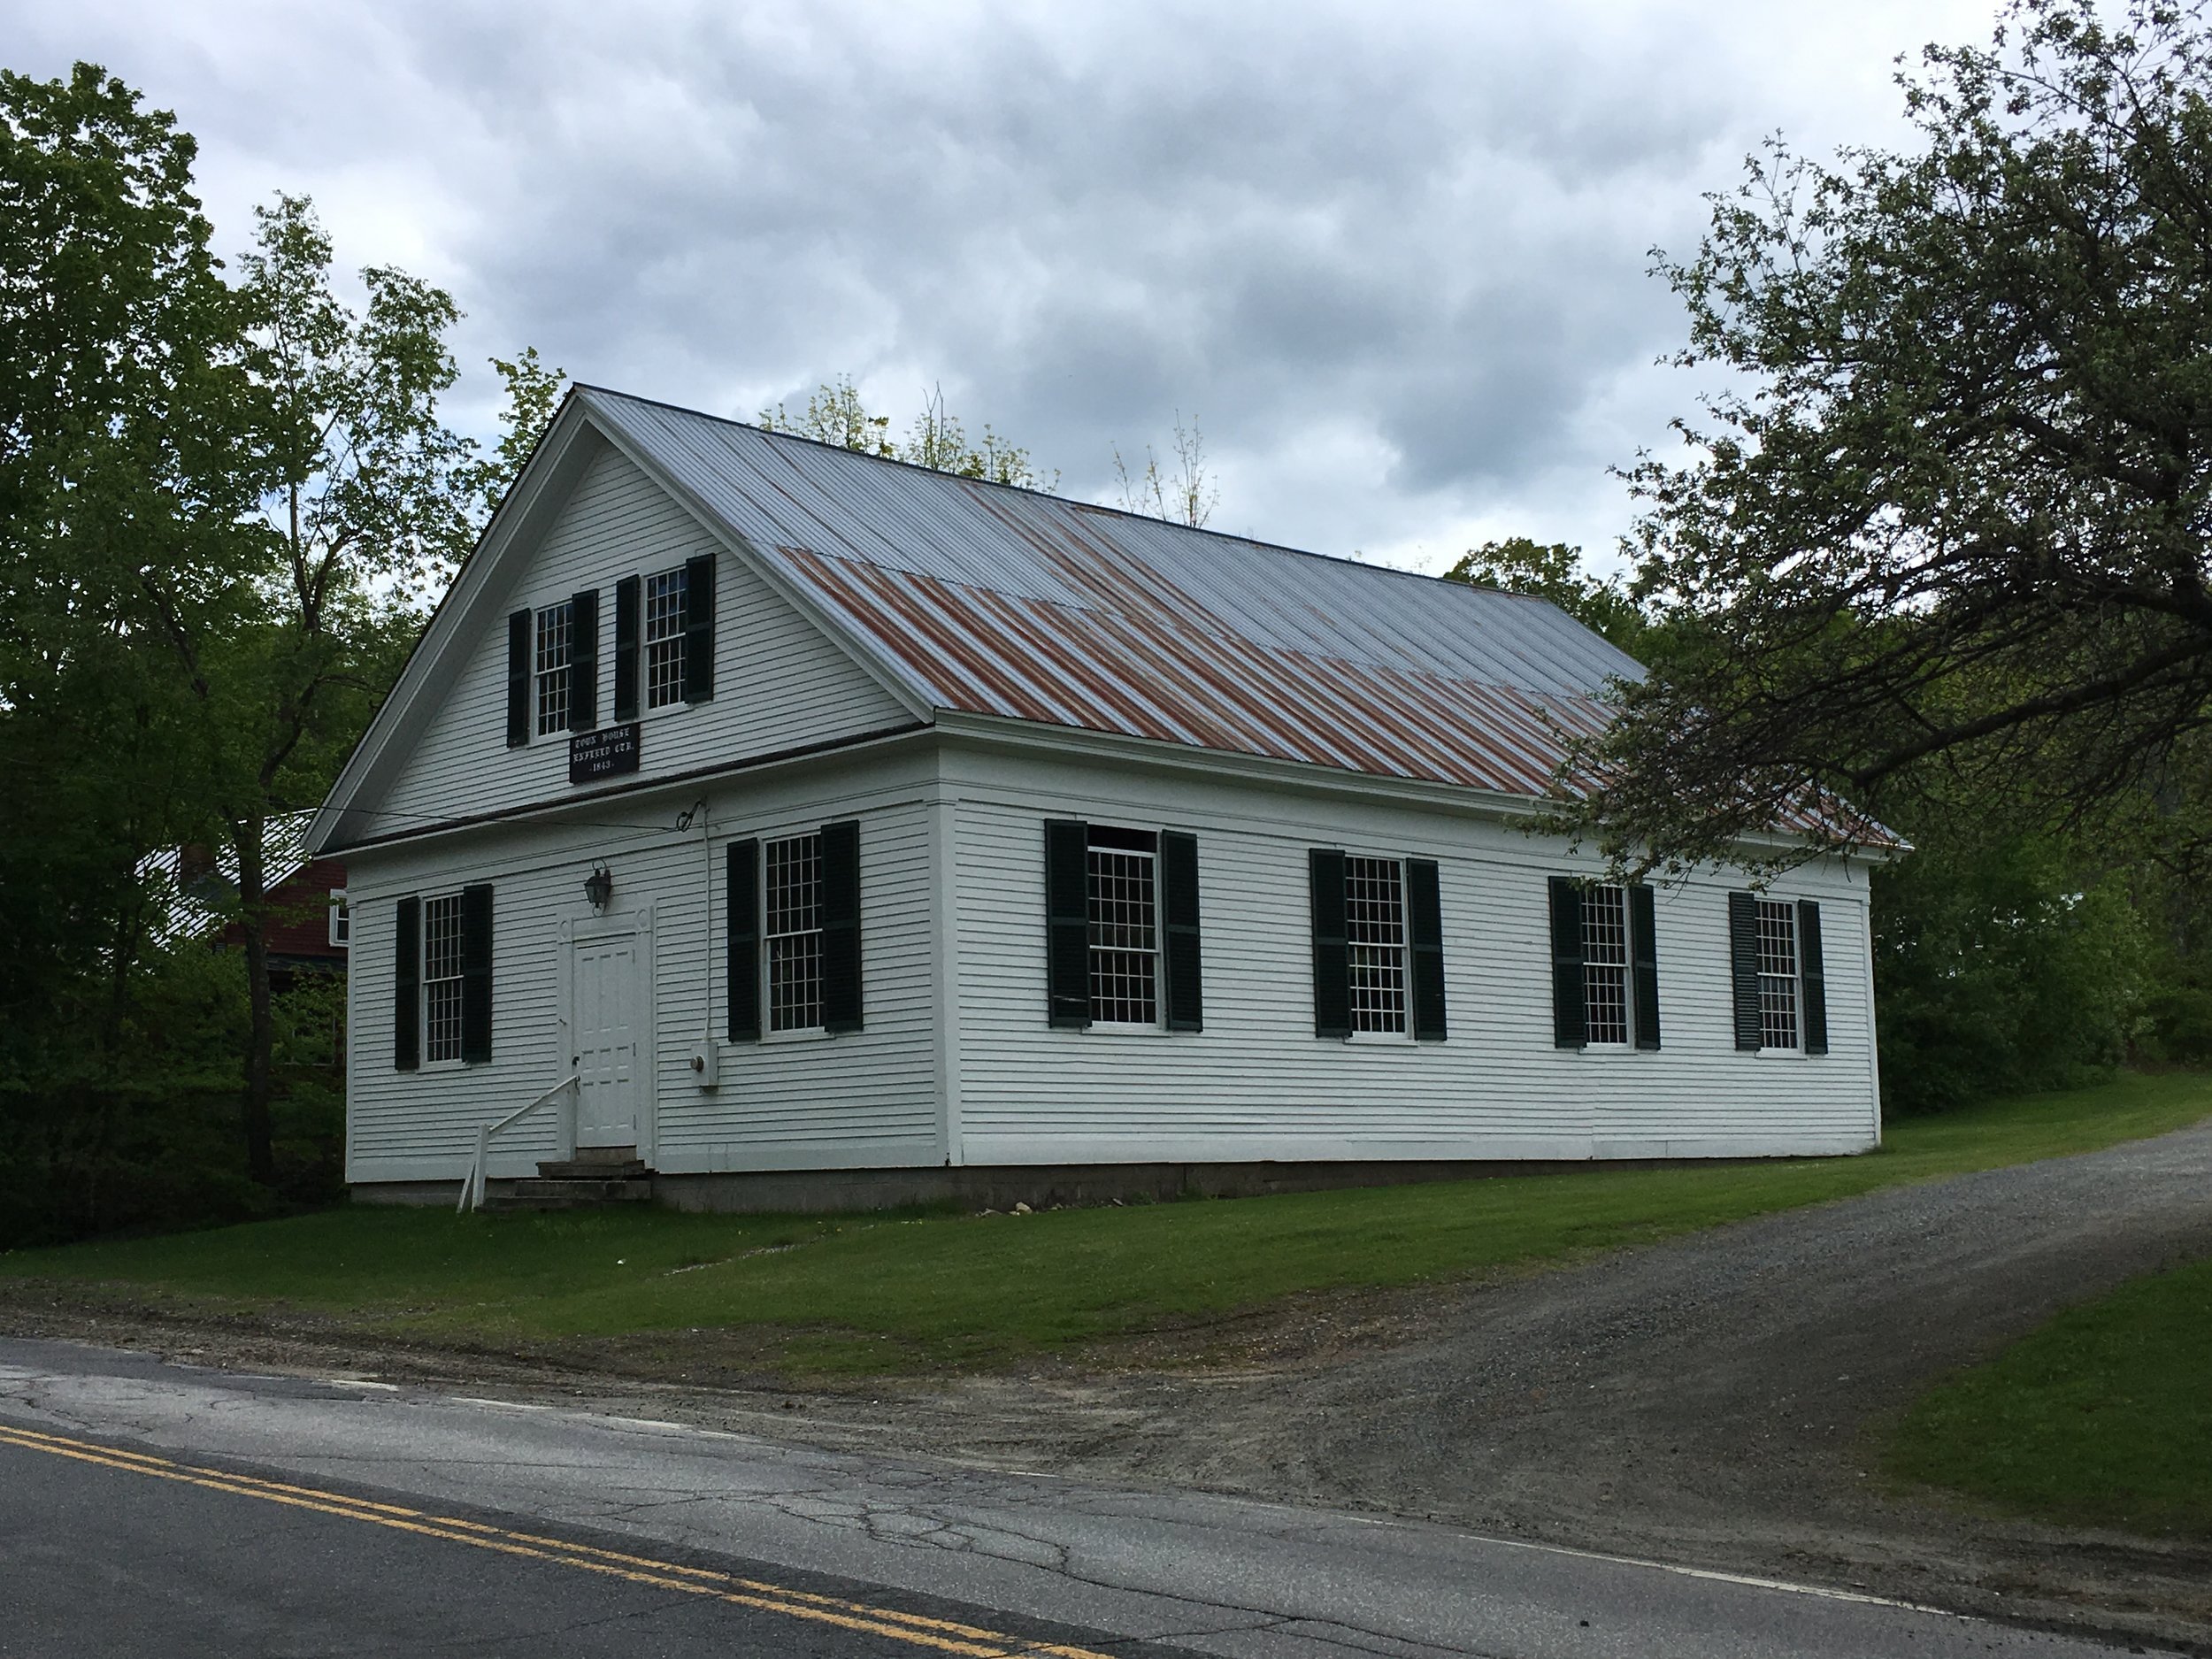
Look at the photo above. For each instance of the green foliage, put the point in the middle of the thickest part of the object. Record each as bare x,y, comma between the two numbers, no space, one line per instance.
887,1292
1553,570
2103,1418
1945,526
835,414
533,396
144,1137
2001,964
223,508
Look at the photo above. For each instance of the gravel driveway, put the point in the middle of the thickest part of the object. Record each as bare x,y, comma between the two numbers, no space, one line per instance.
1716,1399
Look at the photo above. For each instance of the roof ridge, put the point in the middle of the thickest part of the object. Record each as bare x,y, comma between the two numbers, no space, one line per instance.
1064,501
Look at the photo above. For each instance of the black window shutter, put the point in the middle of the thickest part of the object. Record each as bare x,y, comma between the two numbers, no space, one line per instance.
1743,962
1067,924
1814,977
1332,956
1425,931
518,644
476,973
407,987
583,661
625,636
1643,965
699,629
841,925
1570,1025
1179,911
741,895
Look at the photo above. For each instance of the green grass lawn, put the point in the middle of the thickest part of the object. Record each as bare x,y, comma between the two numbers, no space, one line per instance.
893,1292
2102,1418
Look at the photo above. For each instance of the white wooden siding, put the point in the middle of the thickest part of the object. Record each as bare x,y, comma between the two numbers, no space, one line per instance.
1256,1083
956,1062
860,1098
780,682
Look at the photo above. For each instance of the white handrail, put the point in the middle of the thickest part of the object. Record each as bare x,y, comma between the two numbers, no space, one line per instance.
472,1183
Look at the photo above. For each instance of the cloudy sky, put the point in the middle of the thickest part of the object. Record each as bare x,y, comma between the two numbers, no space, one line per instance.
1391,259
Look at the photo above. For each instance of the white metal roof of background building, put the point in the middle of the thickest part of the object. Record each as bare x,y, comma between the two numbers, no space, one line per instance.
985,599
191,905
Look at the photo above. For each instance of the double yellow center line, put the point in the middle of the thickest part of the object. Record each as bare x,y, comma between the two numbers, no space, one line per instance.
942,1635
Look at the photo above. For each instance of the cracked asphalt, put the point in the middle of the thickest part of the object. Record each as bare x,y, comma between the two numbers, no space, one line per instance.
147,1507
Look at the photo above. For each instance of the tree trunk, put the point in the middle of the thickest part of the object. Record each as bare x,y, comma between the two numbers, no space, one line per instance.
261,1025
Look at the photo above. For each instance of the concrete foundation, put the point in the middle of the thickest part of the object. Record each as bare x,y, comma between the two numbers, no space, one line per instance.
813,1191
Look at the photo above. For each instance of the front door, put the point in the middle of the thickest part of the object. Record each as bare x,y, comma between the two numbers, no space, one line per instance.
609,1030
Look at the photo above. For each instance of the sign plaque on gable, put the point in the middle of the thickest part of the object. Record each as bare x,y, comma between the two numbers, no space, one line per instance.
607,753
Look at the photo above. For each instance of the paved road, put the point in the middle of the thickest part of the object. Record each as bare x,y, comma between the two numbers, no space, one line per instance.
147,1508
106,1551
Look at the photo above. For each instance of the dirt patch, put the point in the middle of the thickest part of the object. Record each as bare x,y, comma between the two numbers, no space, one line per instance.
1717,1400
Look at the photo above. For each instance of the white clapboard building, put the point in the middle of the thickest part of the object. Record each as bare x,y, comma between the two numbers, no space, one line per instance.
850,832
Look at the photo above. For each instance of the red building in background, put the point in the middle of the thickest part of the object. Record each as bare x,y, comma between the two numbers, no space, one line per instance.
308,933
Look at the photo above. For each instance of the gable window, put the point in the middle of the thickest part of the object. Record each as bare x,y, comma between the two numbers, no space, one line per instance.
441,977
665,596
340,920
794,932
1778,974
555,631
1605,967
1123,915
1375,942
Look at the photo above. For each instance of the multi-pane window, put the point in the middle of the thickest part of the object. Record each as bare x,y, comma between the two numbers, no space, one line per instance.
1124,928
664,596
441,977
340,920
556,650
794,932
1605,964
1375,940
1778,974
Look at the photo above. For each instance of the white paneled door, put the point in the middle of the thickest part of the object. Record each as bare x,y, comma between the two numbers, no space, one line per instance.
608,977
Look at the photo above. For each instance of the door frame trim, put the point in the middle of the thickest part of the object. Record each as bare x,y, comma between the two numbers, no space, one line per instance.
579,929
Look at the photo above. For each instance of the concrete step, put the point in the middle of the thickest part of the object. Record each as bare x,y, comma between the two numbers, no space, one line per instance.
591,1170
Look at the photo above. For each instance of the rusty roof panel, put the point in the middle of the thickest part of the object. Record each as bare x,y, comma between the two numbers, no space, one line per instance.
990,600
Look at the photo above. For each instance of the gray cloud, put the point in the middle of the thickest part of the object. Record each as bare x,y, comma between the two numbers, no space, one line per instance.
1392,258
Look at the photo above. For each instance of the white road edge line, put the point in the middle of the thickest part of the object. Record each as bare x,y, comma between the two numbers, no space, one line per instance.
1712,1574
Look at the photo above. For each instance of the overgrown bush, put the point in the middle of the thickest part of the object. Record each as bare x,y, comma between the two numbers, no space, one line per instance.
2001,964
138,1129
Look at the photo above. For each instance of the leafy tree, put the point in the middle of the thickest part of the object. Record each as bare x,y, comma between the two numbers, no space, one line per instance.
1949,530
370,504
835,414
2003,961
222,508
1553,570
125,454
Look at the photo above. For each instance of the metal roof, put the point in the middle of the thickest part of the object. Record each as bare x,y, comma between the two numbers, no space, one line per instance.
991,600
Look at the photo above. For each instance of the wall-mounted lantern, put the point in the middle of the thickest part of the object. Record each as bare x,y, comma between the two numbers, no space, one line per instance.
599,885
